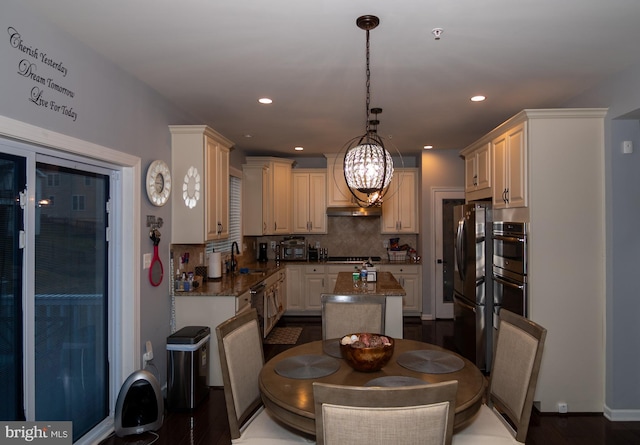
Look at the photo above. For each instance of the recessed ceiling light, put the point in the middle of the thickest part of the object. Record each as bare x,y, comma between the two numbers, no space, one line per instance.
265,100
298,148
428,147
478,98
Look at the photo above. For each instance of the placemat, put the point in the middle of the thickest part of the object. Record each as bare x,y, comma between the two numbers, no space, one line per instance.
395,380
430,362
307,366
332,347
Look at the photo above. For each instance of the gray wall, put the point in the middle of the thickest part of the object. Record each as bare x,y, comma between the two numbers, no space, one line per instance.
113,110
621,94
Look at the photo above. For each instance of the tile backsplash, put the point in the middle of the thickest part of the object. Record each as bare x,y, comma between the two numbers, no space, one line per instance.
347,236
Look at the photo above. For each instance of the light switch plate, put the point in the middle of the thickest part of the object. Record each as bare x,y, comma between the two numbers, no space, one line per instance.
146,260
627,147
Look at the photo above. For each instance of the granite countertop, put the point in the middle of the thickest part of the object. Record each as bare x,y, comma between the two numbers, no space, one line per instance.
238,283
233,284
386,285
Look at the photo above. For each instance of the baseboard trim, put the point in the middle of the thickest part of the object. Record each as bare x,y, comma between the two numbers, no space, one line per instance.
427,317
622,415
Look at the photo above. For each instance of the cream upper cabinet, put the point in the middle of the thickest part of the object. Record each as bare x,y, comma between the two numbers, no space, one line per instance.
510,168
338,194
309,201
254,187
268,180
477,169
217,162
400,206
200,172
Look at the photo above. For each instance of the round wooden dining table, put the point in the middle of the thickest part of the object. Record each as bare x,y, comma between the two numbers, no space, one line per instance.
291,399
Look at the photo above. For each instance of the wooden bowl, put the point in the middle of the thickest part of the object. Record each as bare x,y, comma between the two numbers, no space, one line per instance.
367,359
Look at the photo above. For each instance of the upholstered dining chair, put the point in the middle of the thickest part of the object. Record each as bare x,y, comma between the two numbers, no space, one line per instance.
407,415
241,359
512,384
347,314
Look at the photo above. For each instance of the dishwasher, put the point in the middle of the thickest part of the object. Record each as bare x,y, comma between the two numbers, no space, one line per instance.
266,299
257,302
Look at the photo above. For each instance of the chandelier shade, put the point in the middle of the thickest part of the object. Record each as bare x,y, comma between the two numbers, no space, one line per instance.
368,167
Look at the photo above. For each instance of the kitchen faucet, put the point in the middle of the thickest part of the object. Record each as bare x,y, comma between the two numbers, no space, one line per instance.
233,260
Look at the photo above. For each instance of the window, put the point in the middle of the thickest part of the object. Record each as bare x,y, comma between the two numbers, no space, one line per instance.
77,203
235,223
53,180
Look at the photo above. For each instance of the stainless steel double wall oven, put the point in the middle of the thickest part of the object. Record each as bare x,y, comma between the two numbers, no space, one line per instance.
509,268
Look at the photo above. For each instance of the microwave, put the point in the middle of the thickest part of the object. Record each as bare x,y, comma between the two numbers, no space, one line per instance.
510,248
293,249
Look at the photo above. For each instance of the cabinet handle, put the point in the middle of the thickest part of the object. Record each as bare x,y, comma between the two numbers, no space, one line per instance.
506,195
475,179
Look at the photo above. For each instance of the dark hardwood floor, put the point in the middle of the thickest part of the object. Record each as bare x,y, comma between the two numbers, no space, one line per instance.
207,425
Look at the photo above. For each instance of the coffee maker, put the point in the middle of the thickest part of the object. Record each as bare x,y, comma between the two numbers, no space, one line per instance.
262,253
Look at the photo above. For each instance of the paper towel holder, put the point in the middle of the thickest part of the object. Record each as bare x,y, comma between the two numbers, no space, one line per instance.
214,270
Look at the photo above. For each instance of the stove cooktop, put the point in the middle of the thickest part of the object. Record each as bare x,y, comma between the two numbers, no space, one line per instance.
353,259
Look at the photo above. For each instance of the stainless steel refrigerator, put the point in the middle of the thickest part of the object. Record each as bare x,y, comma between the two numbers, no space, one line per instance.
473,296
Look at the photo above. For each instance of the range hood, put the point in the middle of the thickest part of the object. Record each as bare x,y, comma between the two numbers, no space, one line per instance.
354,211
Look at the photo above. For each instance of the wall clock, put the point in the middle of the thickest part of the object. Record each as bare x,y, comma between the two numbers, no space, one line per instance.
158,183
191,187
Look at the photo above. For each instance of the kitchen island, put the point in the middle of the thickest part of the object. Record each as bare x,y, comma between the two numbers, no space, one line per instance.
387,285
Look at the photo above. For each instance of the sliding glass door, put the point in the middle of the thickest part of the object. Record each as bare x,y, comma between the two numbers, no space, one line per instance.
12,184
71,296
54,296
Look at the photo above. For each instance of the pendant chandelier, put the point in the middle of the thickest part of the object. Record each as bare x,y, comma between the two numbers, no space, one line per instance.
368,166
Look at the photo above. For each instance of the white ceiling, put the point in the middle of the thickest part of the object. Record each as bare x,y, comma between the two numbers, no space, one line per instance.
215,58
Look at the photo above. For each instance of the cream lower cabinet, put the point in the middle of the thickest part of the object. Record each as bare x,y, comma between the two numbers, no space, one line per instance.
400,206
209,311
295,296
309,201
200,175
410,278
315,284
305,285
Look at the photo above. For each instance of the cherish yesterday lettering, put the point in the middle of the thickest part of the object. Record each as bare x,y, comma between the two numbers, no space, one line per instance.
28,68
